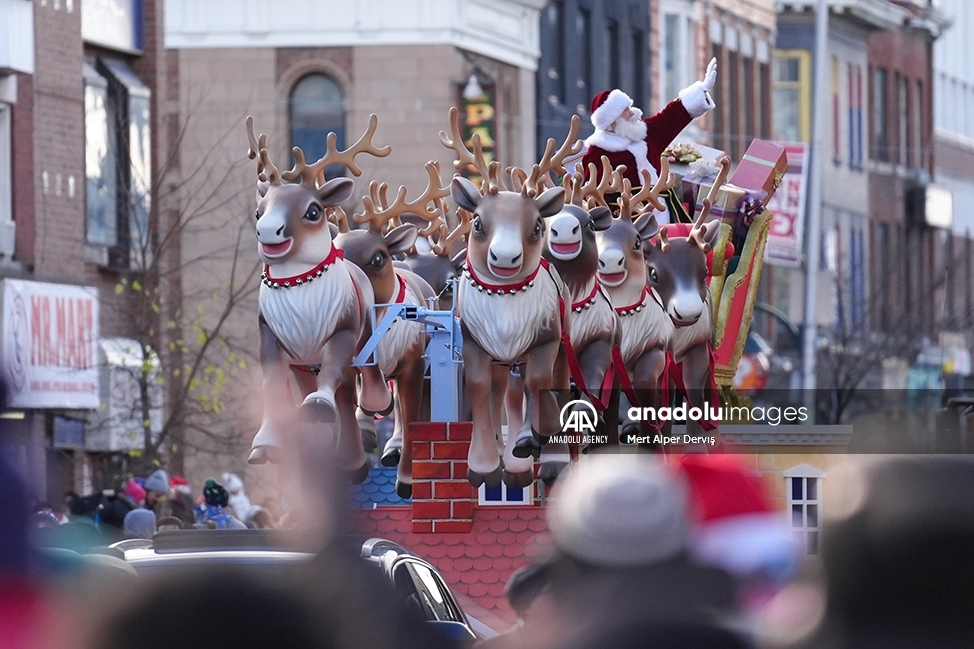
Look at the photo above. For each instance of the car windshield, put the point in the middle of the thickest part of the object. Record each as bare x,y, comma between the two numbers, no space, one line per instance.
278,567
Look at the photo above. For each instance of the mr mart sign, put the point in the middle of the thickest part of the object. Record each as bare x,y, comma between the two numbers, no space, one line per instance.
50,337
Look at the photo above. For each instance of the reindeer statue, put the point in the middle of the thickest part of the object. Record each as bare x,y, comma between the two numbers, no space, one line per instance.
313,306
678,274
400,352
511,309
441,258
646,331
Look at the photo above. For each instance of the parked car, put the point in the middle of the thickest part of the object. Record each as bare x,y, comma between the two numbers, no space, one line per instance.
272,555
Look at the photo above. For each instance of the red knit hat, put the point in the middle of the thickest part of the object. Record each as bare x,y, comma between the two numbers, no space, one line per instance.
736,527
608,106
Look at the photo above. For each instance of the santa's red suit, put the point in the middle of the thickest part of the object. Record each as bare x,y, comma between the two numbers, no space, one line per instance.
661,129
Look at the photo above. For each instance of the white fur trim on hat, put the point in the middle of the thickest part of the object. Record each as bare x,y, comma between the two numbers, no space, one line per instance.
615,511
608,112
747,544
696,100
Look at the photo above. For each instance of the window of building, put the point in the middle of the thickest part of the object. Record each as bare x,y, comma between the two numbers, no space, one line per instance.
504,495
554,17
316,108
857,277
615,54
734,105
672,56
903,118
804,485
583,36
791,86
638,73
763,126
118,168
880,134
854,82
750,114
720,139
917,123
836,113
6,182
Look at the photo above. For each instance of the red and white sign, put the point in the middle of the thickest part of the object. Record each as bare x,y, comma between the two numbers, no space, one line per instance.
50,338
784,246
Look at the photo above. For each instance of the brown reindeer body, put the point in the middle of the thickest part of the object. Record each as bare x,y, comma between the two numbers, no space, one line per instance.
400,351
511,311
646,331
313,305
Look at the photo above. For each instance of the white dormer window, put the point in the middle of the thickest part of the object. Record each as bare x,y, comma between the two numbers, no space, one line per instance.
804,488
504,495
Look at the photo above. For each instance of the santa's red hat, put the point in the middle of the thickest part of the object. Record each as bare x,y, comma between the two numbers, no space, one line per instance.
736,527
608,106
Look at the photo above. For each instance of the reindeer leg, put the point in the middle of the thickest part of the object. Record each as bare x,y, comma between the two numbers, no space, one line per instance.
556,457
336,356
514,403
595,360
268,444
483,462
540,381
696,377
409,401
646,381
349,438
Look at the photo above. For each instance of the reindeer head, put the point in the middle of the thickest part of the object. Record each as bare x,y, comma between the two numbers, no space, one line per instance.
291,224
373,248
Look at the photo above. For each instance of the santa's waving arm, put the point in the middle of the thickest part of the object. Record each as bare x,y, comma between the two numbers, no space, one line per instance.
693,101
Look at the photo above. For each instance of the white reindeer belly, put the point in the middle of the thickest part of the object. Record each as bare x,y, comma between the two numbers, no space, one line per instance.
644,330
507,326
594,323
401,337
304,317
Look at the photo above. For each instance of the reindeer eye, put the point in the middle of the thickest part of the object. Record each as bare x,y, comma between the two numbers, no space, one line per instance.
313,214
538,227
478,227
653,276
638,244
378,261
257,214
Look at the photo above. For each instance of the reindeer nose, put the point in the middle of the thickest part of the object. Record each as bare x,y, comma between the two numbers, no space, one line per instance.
510,260
280,230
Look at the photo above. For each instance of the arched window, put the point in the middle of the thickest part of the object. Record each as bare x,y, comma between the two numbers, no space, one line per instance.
315,108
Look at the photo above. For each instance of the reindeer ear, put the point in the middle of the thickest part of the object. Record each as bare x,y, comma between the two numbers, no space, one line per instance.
551,202
336,191
401,238
601,217
333,228
712,228
647,225
465,193
262,187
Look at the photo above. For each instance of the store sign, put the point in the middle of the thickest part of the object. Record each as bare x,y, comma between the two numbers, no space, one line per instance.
50,336
478,117
787,206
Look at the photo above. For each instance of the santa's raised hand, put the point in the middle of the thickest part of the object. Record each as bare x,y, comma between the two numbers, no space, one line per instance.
710,78
696,97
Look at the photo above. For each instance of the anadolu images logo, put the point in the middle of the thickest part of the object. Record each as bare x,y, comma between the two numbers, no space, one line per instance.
578,420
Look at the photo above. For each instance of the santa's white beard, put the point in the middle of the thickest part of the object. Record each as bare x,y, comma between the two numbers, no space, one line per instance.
633,129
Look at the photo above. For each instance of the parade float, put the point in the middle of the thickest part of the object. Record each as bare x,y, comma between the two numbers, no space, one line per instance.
341,336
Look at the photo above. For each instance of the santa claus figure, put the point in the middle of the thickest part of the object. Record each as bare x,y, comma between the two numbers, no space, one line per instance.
627,138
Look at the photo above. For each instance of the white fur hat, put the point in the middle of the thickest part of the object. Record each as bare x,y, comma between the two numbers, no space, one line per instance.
616,511
608,106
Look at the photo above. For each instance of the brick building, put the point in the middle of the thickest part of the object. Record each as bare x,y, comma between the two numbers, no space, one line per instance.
78,142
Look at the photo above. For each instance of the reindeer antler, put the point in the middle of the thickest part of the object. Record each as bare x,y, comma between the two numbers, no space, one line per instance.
698,230
464,220
337,215
378,212
610,182
551,161
465,157
258,148
315,173
664,240
725,165
665,181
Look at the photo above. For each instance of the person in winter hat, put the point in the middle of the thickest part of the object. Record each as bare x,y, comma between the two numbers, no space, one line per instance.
239,502
135,493
625,137
156,488
621,532
211,511
139,524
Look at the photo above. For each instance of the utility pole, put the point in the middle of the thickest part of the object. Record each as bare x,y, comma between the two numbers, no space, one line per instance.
813,238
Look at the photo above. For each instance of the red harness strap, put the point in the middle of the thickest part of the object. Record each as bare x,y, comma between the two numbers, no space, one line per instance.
575,368
675,370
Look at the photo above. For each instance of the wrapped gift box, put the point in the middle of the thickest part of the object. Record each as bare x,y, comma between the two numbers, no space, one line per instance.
729,199
762,168
681,169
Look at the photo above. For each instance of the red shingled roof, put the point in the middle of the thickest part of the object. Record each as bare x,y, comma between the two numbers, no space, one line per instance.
476,564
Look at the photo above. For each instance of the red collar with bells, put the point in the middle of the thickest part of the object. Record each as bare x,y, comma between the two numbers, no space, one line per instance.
503,289
308,276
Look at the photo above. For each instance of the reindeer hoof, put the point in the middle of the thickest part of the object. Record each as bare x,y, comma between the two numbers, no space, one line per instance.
522,479
358,476
404,490
491,479
549,472
390,457
527,447
369,441
317,409
265,454
386,411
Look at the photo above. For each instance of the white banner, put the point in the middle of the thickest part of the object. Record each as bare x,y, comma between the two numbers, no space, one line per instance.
50,337
788,208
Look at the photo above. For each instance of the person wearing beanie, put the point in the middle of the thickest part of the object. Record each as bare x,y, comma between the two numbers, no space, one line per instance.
139,524
135,493
625,137
156,488
620,533
239,502
211,513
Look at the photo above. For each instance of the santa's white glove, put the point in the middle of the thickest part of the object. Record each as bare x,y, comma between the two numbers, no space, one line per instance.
696,97
710,78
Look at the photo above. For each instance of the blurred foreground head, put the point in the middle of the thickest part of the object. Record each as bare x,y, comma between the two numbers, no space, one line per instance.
899,559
